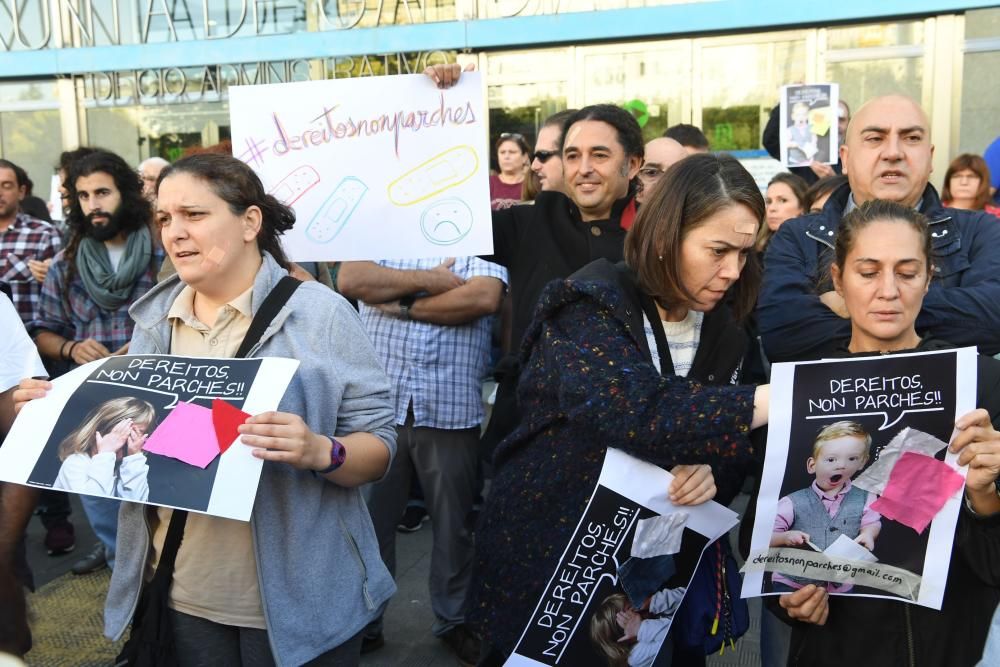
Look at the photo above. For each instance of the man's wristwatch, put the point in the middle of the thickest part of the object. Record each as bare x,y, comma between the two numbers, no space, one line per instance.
404,306
338,454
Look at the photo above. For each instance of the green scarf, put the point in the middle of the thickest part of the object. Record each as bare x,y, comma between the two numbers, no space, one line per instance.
110,288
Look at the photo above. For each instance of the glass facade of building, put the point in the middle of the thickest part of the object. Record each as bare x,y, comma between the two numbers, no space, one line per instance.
723,81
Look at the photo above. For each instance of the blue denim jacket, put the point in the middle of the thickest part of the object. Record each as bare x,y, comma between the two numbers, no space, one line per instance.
962,306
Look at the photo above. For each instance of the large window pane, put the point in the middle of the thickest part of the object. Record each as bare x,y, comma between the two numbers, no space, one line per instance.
980,102
863,79
651,82
740,85
529,87
879,34
33,141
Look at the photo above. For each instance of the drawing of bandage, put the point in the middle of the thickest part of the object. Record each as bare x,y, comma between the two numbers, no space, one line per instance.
336,210
446,222
446,170
291,188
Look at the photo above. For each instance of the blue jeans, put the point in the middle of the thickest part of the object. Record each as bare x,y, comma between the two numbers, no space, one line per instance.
103,516
991,652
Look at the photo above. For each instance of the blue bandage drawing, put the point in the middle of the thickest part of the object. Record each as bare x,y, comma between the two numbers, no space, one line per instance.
336,210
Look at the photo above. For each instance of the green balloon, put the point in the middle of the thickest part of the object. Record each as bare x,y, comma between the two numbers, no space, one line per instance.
638,109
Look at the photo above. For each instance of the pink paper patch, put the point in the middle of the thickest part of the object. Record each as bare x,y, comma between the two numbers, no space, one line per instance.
187,434
918,488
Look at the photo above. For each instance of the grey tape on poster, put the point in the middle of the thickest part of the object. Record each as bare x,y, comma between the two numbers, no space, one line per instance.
812,565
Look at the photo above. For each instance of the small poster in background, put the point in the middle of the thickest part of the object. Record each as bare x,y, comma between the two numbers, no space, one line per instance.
810,131
153,429
386,167
859,493
624,572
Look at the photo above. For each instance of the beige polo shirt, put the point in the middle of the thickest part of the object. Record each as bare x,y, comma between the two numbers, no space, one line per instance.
215,576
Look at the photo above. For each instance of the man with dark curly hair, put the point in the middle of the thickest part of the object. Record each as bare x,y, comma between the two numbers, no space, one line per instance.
109,262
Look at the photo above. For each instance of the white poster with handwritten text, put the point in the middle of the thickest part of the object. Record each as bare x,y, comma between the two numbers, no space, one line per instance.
385,167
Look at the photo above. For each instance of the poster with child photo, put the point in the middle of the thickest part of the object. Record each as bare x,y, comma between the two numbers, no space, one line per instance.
614,595
859,493
810,131
153,429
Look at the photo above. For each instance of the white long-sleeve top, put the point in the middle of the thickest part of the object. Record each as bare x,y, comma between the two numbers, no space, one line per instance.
95,475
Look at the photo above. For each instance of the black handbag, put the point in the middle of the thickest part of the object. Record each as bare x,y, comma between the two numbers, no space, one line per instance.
151,640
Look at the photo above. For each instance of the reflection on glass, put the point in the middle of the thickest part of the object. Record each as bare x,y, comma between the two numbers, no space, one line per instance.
864,79
33,141
528,87
982,23
649,83
740,85
980,102
140,131
875,35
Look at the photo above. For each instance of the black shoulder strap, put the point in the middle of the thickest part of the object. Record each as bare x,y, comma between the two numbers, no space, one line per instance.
266,313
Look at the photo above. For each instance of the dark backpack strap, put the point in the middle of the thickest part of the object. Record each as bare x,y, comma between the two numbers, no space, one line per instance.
171,544
273,304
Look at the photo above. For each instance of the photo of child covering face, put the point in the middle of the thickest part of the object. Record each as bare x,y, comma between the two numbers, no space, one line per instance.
817,516
630,637
104,456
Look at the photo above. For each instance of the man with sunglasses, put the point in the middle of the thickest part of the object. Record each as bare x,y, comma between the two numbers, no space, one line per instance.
546,161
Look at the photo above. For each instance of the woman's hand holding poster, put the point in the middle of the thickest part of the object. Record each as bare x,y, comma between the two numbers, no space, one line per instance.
859,492
624,573
153,429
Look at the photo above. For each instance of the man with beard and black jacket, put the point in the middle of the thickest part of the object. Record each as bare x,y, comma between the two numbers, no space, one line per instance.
109,262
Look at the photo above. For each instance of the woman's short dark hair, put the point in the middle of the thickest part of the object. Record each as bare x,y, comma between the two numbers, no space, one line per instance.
879,210
236,184
690,192
626,126
822,188
977,165
522,143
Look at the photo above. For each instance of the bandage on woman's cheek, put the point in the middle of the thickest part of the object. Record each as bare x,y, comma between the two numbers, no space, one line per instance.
214,257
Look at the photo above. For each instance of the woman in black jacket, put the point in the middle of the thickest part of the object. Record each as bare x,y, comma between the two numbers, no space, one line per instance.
882,269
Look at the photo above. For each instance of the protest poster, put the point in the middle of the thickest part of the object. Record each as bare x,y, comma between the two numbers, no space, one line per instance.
809,130
859,492
624,572
386,167
154,429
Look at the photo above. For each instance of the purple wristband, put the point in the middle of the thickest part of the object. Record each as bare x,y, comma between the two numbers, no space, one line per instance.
338,454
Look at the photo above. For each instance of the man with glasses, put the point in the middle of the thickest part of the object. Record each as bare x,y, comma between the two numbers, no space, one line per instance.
661,154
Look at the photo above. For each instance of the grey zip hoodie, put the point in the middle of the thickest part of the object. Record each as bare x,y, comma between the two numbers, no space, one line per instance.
321,578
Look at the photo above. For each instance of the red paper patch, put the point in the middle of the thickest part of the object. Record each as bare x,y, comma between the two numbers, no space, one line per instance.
226,420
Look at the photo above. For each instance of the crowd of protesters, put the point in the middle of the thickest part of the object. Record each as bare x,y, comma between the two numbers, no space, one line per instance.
638,292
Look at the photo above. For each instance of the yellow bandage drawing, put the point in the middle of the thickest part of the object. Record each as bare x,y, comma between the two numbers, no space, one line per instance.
446,170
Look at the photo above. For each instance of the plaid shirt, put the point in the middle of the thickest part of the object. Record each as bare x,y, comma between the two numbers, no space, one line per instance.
26,238
85,319
438,368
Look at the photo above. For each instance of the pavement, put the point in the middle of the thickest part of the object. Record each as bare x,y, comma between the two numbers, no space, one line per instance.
409,642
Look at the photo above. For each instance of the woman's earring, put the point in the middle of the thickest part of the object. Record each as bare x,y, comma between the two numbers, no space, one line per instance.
660,257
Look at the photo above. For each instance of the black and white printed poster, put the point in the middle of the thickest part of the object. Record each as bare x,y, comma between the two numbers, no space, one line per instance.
153,429
809,130
859,492
624,573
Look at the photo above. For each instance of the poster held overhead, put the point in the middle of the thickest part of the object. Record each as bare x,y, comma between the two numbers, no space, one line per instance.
141,428
387,167
880,421
809,130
